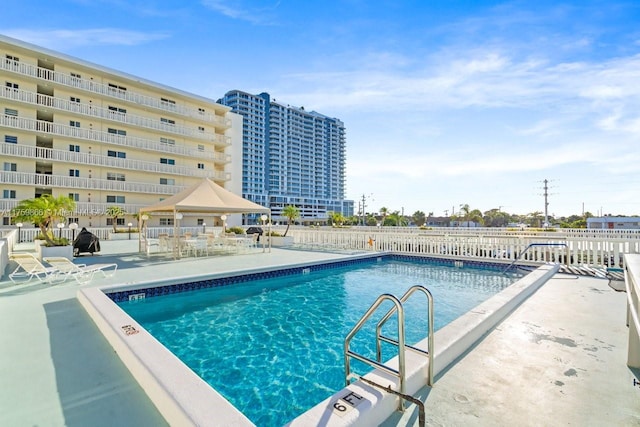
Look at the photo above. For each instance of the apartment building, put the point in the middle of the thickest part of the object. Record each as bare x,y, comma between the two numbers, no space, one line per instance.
291,156
102,137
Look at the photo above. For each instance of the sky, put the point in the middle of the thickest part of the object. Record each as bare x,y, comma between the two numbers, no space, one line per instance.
445,103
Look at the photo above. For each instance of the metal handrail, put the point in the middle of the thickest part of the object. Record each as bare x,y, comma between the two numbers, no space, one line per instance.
429,352
532,245
400,372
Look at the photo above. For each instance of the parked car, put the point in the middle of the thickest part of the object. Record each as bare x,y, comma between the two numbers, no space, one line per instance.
255,230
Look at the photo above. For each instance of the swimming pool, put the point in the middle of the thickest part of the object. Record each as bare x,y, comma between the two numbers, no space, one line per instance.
272,338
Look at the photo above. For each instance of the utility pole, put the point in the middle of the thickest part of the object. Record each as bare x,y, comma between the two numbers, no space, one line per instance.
364,204
546,203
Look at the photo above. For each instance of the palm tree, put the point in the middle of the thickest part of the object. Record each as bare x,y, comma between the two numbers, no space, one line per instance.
115,212
43,211
291,212
464,211
475,216
336,218
419,218
384,212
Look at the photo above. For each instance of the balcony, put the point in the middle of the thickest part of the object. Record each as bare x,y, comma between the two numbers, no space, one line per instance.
51,128
103,113
105,90
29,151
68,182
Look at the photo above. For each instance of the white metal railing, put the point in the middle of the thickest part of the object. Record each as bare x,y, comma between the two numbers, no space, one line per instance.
24,123
43,180
29,151
591,250
632,284
102,113
29,233
106,90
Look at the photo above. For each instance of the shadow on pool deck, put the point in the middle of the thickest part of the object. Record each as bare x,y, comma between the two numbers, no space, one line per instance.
94,387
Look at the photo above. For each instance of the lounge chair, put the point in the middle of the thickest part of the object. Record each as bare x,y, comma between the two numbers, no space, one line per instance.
81,273
29,266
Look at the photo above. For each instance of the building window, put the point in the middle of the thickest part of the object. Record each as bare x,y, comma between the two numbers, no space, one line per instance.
167,121
117,88
10,139
74,123
115,199
12,85
113,176
74,148
200,221
10,167
200,165
201,110
166,222
117,109
201,128
118,154
74,172
167,181
117,131
167,141
74,99
119,221
167,161
72,220
74,196
200,147
10,112
165,101
8,194
12,58
75,78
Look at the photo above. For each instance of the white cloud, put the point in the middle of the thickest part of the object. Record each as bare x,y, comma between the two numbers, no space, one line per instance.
238,9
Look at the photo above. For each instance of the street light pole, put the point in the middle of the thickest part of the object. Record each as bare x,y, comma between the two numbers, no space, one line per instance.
19,225
73,226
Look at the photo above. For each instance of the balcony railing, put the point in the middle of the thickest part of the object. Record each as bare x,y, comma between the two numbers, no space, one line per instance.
103,113
58,181
103,89
50,154
42,126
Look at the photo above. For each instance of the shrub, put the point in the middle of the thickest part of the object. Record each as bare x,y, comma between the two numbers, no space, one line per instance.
58,241
126,230
236,230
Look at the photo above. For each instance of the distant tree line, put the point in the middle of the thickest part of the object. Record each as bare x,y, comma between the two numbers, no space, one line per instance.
466,216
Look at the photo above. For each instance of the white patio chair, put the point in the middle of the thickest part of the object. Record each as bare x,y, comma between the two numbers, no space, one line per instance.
30,267
81,273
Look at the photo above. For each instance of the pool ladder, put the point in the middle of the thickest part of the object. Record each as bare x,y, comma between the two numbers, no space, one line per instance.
399,343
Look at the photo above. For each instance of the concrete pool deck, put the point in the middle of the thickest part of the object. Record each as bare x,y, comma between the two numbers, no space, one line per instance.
550,362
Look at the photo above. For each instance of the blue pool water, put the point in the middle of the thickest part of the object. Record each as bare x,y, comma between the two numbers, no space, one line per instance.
274,347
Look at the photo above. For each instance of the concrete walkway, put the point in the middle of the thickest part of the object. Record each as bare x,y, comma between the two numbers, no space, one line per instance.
56,369
559,359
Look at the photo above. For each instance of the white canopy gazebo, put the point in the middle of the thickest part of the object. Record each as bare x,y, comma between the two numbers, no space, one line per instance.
205,197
